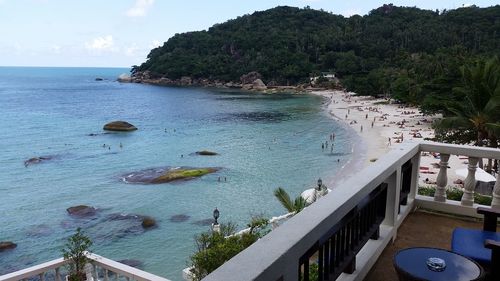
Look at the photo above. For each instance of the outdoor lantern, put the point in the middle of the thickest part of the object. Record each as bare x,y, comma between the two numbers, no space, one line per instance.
320,183
216,215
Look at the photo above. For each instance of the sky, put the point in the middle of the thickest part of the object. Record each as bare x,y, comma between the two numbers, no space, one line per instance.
120,33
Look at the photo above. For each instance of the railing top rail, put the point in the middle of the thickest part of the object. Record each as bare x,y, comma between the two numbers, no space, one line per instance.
123,269
466,150
33,271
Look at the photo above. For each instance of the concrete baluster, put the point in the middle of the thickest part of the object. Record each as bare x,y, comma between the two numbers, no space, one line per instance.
470,182
42,276
495,203
58,274
442,179
106,274
96,274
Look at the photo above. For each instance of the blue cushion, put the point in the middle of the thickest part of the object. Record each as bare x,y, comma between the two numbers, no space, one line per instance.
470,243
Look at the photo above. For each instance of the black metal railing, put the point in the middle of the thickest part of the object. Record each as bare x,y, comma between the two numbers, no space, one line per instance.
336,251
406,171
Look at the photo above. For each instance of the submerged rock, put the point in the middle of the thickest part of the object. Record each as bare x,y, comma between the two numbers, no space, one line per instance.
179,218
82,211
206,153
99,79
204,222
40,230
148,222
120,126
36,160
163,175
7,245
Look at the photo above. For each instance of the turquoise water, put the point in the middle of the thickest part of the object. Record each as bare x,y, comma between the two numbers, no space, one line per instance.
264,141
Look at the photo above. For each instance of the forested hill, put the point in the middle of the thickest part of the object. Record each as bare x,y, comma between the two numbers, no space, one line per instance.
391,50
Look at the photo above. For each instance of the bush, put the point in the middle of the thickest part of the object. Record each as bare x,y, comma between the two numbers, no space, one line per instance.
455,194
215,248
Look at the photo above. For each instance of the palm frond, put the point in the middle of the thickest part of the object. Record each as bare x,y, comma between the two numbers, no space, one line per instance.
284,199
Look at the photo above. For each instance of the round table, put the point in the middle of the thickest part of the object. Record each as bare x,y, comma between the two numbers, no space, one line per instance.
411,264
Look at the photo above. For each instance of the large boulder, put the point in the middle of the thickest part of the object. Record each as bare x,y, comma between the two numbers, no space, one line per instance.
148,222
258,85
166,174
82,211
124,78
7,245
119,126
250,77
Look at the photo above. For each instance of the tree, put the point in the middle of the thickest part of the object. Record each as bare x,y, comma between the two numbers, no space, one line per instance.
479,110
75,252
291,206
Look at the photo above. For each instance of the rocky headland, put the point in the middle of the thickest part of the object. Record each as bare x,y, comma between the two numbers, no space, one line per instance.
252,81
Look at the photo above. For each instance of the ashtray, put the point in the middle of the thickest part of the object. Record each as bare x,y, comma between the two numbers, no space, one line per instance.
436,264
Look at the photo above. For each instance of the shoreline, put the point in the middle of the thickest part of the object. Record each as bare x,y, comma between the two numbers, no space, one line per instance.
377,125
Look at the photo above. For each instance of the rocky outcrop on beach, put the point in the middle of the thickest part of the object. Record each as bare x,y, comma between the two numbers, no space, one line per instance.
121,126
206,153
7,245
167,174
250,77
81,211
36,160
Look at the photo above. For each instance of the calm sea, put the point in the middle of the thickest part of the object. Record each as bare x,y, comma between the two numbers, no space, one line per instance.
264,141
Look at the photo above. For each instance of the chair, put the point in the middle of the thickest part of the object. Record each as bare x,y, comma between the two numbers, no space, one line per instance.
482,246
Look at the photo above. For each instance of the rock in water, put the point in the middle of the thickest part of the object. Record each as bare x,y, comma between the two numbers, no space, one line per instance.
7,245
36,160
206,153
148,222
119,126
179,218
180,174
81,211
99,79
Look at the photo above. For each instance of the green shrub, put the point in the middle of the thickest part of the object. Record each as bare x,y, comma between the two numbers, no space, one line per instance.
215,248
455,194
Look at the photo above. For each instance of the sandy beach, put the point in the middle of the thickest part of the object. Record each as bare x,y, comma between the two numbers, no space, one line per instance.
383,126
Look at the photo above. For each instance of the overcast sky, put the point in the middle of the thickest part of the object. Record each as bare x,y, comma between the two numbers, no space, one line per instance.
121,32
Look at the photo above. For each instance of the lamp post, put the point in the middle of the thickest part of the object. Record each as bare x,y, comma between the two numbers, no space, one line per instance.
215,225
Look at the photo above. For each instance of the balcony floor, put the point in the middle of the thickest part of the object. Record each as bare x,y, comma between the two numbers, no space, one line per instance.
419,229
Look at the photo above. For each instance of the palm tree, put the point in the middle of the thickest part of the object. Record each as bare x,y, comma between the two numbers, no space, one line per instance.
480,109
292,206
479,112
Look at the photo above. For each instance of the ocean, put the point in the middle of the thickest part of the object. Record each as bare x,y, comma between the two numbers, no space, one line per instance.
263,141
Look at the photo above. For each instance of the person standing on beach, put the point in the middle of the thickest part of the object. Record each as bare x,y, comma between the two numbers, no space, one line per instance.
389,143
361,128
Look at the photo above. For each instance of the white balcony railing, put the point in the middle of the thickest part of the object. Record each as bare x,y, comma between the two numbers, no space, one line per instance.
101,269
327,228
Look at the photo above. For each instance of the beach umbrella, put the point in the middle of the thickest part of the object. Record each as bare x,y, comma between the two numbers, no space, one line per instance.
481,175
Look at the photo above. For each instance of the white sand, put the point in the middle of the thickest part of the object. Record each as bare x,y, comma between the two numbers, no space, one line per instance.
361,112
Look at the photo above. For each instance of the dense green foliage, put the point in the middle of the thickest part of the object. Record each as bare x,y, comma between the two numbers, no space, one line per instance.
408,53
215,248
